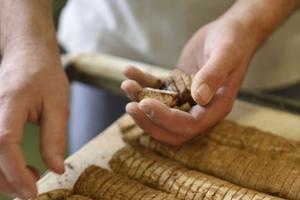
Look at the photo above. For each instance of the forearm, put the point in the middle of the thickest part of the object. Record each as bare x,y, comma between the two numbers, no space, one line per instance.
25,25
260,17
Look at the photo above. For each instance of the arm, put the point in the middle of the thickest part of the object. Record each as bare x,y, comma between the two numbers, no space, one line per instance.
25,23
261,18
218,54
33,88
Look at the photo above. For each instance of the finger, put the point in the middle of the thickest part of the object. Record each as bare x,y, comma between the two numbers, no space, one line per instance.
143,78
54,135
12,163
16,173
211,76
5,186
173,120
131,89
150,128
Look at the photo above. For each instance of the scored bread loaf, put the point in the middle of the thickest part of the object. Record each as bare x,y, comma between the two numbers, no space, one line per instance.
58,194
239,166
254,140
152,170
101,184
231,134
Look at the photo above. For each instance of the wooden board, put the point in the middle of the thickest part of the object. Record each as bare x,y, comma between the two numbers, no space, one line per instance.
99,150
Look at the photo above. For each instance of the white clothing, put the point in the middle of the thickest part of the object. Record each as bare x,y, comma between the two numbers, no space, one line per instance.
155,31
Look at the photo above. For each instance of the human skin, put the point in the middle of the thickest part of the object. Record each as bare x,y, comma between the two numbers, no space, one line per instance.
218,54
33,88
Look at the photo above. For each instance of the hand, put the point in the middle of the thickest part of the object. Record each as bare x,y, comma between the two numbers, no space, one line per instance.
218,55
33,88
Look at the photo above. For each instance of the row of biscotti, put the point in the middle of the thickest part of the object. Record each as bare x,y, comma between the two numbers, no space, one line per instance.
61,194
239,154
231,134
96,183
101,184
154,171
255,141
150,169
242,155
236,165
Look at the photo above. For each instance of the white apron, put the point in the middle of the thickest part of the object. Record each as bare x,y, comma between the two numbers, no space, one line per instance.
155,31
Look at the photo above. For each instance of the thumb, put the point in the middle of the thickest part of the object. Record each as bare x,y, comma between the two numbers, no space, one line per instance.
210,78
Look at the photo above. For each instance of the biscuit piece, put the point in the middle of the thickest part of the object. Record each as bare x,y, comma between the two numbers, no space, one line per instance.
175,91
168,98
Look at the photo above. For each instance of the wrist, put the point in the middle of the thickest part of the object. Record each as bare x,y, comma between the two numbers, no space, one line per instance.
244,32
23,22
32,53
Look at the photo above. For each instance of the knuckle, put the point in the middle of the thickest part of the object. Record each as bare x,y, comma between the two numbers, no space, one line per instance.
216,79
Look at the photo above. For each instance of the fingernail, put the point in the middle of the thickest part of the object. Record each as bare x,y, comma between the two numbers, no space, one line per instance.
147,110
130,107
60,164
204,92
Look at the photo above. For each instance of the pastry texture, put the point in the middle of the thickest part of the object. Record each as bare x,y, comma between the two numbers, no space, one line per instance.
101,184
242,166
162,174
59,194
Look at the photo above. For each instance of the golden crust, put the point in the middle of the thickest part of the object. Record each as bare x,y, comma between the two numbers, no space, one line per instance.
171,177
78,197
58,194
113,186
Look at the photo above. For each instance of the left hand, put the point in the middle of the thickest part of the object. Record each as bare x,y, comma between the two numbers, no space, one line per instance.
218,54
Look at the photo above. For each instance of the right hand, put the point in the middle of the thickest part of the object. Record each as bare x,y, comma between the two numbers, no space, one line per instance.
33,88
218,55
